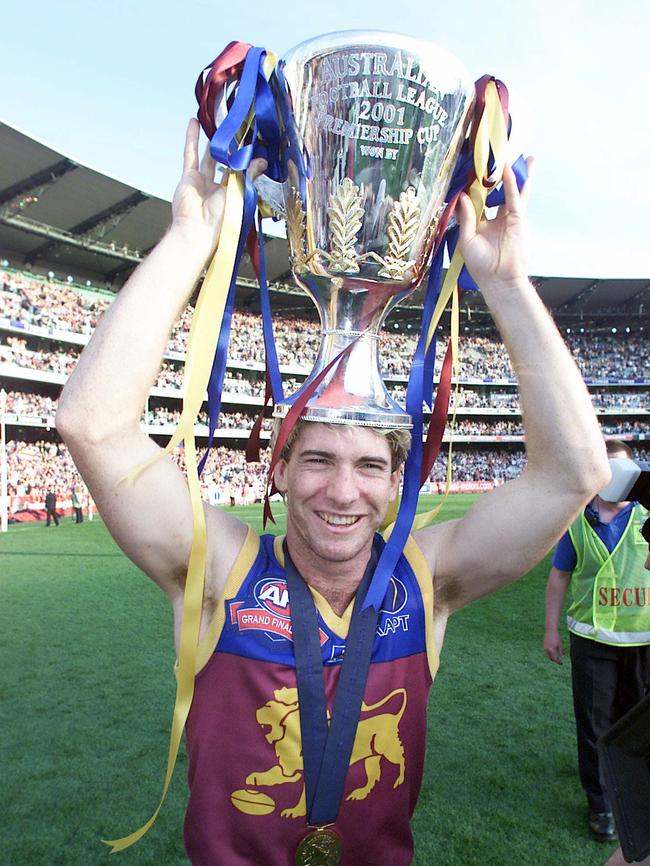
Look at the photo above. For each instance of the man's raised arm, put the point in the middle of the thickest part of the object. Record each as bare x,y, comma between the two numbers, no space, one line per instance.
101,405
511,528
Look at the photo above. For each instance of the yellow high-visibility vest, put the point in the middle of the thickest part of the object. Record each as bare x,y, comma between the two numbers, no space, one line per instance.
609,593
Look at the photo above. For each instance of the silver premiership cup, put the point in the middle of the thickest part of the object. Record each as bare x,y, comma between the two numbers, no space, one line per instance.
374,122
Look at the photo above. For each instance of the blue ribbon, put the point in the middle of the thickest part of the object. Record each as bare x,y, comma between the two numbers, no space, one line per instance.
419,388
430,300
217,374
327,748
420,385
224,145
293,151
519,167
226,150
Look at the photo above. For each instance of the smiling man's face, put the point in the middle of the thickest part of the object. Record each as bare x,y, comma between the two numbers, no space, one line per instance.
338,482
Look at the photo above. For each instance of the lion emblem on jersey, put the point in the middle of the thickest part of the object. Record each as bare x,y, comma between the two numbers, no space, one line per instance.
376,742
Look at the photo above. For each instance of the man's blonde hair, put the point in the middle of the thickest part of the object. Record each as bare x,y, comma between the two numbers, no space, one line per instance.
398,439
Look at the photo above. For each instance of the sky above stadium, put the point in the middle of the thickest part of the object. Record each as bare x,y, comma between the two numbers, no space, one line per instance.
112,85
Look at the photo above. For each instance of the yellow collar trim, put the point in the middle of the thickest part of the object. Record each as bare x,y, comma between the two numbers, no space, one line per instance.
338,624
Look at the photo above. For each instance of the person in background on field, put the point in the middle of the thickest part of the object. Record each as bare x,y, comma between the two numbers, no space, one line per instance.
600,561
617,858
50,507
77,506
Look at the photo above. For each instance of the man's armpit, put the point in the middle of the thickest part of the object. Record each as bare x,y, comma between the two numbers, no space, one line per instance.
449,594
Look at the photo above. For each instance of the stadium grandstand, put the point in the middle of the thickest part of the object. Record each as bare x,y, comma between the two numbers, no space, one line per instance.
70,237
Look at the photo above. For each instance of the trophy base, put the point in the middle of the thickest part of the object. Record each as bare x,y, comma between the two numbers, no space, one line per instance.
353,417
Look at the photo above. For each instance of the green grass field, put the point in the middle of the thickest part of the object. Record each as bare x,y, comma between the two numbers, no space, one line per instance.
87,691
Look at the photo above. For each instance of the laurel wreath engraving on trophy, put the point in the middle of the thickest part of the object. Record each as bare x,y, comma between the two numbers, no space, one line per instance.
345,220
295,217
403,225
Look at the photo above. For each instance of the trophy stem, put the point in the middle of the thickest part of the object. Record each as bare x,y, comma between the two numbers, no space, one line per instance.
353,391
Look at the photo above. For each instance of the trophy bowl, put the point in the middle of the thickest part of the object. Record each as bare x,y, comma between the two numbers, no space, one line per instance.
374,123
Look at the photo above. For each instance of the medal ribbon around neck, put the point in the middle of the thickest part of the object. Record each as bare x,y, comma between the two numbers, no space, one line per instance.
326,749
240,75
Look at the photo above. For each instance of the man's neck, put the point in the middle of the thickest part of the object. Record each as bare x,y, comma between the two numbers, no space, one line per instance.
336,581
607,511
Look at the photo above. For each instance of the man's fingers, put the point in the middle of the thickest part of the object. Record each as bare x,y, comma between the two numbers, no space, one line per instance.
554,654
510,190
257,167
516,200
466,216
191,152
208,164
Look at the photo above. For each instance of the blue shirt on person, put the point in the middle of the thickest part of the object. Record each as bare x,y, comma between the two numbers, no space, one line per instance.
564,557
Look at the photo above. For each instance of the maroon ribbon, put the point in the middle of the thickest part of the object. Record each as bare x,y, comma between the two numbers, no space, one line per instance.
438,421
479,106
254,444
209,88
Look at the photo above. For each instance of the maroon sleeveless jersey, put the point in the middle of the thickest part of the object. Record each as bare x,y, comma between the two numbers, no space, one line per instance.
247,795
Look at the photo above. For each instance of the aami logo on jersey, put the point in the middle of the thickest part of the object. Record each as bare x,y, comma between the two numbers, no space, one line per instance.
390,618
274,596
271,615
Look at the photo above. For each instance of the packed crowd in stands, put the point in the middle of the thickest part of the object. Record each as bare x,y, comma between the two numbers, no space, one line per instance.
38,301
616,428
32,303
493,398
49,304
28,405
489,365
639,399
13,350
490,465
38,406
35,468
245,421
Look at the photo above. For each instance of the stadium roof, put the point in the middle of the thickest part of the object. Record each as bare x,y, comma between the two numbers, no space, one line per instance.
56,213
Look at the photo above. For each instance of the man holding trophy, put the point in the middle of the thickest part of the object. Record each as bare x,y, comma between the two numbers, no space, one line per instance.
309,675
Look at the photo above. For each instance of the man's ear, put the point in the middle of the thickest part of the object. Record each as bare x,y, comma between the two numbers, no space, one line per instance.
280,476
394,482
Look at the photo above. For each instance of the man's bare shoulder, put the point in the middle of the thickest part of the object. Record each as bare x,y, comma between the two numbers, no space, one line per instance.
226,537
431,538
426,542
431,541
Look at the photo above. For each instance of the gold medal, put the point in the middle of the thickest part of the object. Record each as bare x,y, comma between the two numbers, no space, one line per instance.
321,847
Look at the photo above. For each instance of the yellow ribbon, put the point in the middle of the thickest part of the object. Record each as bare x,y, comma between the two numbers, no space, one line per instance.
427,517
492,135
204,331
203,336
